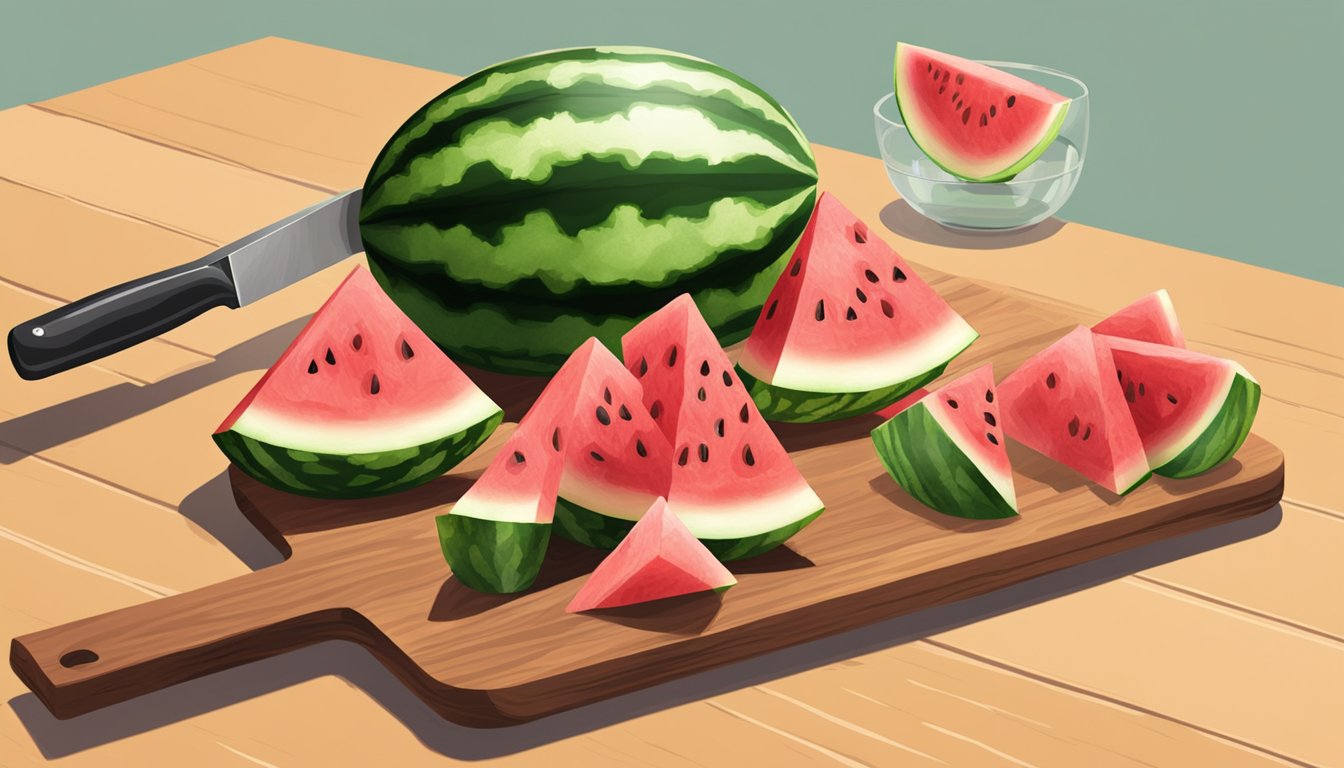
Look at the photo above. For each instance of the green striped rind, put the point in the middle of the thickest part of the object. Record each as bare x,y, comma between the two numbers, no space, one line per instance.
493,556
593,529
923,459
350,476
1224,435
792,405
532,337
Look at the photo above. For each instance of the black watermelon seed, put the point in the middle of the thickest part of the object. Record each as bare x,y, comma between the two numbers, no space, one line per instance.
1140,389
956,95
928,67
747,457
518,458
984,120
897,275
1087,432
357,342
1119,375
989,419
555,439
1073,427
643,366
951,403
821,310
1171,399
331,359
989,395
406,352
859,237
727,379
992,110
937,73
850,314
863,297
1129,392
1050,381
672,357
624,413
656,409
991,438
744,414
887,309
957,107
704,367
718,427
684,457
769,313
596,456
961,79
797,265
603,417
700,395
966,116
640,449
871,275
312,366
704,453
606,394
374,386
1011,101
942,88
945,74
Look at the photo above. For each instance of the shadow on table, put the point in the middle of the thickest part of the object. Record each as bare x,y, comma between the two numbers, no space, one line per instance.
86,414
60,738
905,221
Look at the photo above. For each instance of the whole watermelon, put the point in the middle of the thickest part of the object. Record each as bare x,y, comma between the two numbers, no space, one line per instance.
568,194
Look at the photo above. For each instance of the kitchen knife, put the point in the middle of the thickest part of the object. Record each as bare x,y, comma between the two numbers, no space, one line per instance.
233,276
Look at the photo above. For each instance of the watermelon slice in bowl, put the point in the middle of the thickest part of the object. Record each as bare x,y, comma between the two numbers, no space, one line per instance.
360,404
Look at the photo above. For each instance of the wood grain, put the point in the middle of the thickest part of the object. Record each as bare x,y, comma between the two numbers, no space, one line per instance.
371,572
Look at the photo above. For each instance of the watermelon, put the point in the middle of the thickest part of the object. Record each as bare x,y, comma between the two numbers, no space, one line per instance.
1151,318
590,185
616,460
948,450
732,483
849,328
1192,411
495,536
976,122
660,558
1064,403
361,403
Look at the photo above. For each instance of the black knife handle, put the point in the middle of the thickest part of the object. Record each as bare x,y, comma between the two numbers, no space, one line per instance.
119,317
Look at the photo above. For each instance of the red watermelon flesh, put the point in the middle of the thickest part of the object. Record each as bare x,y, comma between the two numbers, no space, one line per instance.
659,558
968,408
975,121
849,314
521,483
616,458
1064,403
731,479
1151,318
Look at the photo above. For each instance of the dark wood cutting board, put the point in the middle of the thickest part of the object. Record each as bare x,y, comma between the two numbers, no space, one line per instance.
371,572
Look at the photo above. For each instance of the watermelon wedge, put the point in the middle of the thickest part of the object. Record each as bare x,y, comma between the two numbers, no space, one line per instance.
1151,318
660,558
976,122
616,460
495,537
1192,411
361,403
848,329
948,450
732,483
1064,403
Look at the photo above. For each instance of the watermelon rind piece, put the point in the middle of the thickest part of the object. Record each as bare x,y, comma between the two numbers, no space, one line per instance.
1226,431
495,556
926,459
797,406
353,475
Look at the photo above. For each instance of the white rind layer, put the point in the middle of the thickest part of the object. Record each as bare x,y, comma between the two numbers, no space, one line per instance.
746,517
520,509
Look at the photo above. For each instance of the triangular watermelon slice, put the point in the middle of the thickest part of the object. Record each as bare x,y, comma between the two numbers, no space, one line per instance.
1064,403
361,403
617,460
732,483
659,558
948,449
1151,318
495,537
849,328
1192,411
976,122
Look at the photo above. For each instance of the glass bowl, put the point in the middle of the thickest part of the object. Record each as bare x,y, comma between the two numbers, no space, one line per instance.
1031,196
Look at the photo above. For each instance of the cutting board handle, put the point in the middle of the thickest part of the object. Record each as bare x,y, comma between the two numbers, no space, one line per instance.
87,664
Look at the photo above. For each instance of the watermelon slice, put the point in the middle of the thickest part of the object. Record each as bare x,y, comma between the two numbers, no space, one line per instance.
616,458
849,328
659,558
1151,318
948,450
1192,411
361,403
1064,403
976,122
732,483
495,537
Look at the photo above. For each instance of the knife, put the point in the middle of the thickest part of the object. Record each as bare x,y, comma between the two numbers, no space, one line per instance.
233,276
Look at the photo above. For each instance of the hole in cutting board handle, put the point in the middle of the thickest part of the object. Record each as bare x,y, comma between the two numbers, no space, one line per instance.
78,658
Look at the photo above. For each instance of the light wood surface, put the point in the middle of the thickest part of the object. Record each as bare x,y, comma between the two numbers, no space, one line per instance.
1221,657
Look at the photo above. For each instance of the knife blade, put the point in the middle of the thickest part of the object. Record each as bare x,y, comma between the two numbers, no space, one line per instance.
233,276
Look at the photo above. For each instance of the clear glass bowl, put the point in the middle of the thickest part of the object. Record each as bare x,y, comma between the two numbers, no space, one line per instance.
1032,196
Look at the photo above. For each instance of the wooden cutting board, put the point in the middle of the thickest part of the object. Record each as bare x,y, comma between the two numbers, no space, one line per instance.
370,571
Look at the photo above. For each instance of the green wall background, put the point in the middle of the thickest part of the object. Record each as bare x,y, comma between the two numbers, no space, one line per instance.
1215,125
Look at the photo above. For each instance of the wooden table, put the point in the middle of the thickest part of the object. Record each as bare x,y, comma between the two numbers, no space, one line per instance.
1222,649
